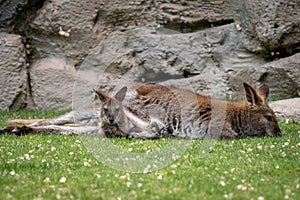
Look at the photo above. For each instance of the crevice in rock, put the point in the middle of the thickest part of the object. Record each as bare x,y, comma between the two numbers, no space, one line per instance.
29,99
21,22
189,27
96,18
18,102
282,52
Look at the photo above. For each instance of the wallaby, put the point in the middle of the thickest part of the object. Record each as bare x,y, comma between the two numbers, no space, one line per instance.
154,111
188,115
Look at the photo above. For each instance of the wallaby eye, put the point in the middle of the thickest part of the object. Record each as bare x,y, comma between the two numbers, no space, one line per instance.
269,118
105,109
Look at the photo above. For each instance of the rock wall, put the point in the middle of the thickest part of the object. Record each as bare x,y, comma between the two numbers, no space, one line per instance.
210,47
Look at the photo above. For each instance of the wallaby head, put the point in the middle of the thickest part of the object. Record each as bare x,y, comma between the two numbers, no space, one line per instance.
110,110
261,118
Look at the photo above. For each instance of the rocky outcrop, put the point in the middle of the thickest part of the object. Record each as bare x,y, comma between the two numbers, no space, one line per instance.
226,42
13,73
272,26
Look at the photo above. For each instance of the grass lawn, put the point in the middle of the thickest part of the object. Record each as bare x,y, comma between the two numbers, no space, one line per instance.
60,167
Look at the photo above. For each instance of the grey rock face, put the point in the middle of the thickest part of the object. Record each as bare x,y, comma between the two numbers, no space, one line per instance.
282,76
51,84
13,74
274,24
110,43
9,9
74,18
288,109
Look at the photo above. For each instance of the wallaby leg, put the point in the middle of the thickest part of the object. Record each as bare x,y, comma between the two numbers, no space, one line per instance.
67,118
136,121
73,117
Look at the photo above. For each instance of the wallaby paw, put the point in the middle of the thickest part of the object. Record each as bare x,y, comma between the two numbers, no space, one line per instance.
16,130
21,130
7,130
156,126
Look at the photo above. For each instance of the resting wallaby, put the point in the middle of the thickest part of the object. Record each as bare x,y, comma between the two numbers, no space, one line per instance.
188,115
154,111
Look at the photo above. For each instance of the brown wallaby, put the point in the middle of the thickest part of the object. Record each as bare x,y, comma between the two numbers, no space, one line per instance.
154,111
188,115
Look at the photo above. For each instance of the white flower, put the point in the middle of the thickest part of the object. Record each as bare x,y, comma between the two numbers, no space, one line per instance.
26,156
62,179
11,161
12,173
140,185
53,148
159,177
228,196
123,177
98,175
47,180
128,184
259,146
222,183
241,187
71,153
261,198
86,164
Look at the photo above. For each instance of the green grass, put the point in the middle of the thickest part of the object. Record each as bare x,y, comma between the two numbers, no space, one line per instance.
32,166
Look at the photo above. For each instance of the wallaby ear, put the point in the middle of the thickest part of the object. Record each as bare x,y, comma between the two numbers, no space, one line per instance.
101,96
120,95
263,91
251,95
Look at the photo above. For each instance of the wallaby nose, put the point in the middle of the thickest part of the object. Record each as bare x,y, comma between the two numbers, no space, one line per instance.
111,119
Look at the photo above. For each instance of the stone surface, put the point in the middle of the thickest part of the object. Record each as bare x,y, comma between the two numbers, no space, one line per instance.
112,43
9,10
190,16
223,65
274,24
51,84
13,75
282,76
76,18
287,110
